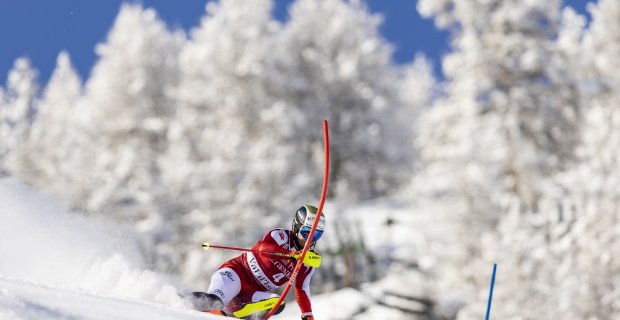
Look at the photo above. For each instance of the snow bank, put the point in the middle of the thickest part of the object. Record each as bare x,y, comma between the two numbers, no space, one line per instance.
40,242
27,301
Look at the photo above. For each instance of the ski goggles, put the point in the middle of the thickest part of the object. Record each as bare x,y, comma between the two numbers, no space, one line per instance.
305,232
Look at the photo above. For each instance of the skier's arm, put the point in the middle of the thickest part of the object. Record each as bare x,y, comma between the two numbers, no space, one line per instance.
273,242
302,291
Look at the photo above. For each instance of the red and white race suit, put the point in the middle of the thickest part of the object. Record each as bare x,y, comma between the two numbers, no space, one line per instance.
246,278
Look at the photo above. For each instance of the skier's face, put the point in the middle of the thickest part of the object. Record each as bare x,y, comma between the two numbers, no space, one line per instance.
301,239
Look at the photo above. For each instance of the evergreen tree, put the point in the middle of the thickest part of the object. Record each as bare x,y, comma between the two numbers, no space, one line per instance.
507,113
3,147
335,65
128,108
562,252
223,162
508,121
55,139
586,267
16,117
418,89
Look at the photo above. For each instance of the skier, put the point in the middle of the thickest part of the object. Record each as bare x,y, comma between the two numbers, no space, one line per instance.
250,277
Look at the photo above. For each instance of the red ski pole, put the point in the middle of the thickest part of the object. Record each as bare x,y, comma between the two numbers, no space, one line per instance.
207,245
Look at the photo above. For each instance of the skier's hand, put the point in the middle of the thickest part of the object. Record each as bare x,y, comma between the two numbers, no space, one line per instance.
307,318
312,259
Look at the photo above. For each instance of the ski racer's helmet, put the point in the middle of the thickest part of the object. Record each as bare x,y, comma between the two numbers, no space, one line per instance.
304,219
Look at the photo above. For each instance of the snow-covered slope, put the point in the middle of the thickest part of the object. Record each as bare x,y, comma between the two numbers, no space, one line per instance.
31,301
58,265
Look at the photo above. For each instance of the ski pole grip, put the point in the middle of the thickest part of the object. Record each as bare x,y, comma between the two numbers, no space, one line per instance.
205,245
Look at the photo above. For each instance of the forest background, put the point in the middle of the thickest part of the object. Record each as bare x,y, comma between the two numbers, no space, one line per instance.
215,135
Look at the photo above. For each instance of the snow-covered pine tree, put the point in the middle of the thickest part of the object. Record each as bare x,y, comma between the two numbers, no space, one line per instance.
534,247
564,252
508,120
418,88
334,64
55,141
3,147
128,108
580,258
224,163
16,116
507,114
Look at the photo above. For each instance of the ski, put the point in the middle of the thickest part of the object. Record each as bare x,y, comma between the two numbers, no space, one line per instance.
249,309
254,307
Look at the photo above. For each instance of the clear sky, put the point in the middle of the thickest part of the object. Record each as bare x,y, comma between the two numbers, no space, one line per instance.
40,29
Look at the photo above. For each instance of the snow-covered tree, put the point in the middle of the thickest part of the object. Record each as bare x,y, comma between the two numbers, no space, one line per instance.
335,65
3,147
223,163
16,116
508,120
247,138
418,88
508,112
128,107
419,85
55,138
584,243
563,252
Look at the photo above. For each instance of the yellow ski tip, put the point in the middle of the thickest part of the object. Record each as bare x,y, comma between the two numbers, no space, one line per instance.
205,245
255,307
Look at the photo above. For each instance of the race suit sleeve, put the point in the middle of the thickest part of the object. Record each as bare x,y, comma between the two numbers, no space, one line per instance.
302,290
271,243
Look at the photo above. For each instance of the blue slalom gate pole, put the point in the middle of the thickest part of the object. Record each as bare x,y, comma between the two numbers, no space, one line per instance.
491,291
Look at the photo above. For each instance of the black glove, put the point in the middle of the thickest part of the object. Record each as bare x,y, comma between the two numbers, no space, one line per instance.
307,318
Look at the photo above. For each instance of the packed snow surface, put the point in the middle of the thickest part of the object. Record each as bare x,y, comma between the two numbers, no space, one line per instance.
56,265
60,265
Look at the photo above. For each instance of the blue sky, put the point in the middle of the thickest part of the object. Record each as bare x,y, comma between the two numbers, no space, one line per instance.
40,29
